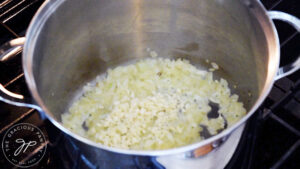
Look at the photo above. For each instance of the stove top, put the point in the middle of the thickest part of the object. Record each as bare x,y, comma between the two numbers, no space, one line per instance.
271,138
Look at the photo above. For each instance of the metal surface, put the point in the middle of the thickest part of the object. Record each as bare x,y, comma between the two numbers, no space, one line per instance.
11,48
7,51
217,159
238,36
295,22
109,35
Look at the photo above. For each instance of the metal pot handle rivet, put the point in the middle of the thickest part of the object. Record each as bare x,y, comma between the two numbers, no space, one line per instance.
7,52
295,22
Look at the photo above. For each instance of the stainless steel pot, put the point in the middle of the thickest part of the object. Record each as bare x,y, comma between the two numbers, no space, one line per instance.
70,42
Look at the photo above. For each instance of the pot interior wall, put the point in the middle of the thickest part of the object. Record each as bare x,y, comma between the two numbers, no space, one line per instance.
81,39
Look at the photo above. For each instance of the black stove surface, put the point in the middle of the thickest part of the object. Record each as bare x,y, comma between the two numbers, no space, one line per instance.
271,138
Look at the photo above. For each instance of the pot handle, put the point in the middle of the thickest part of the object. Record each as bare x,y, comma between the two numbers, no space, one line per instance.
8,51
295,22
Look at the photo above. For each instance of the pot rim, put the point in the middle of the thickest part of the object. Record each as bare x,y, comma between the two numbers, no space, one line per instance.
49,6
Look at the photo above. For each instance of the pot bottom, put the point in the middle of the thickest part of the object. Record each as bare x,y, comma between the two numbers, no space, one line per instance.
217,159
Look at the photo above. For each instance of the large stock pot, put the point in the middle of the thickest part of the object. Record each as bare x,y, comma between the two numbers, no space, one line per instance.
70,42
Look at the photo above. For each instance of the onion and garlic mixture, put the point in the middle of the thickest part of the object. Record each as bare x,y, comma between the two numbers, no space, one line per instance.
154,104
